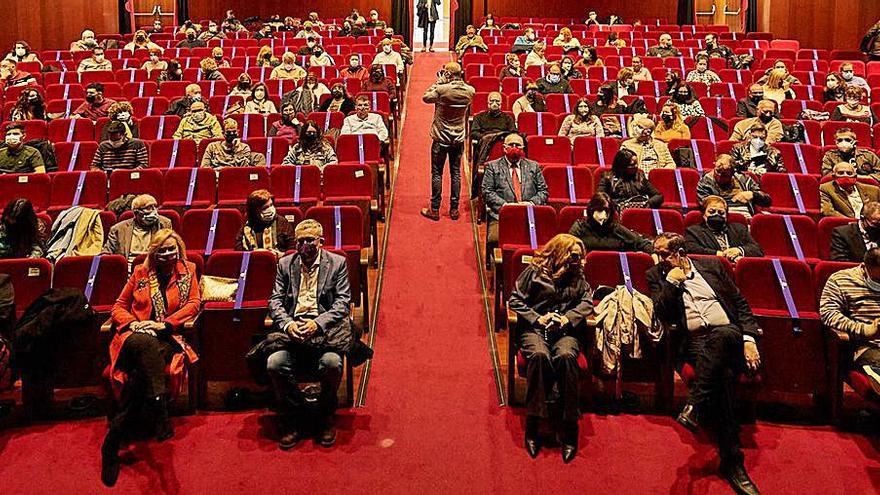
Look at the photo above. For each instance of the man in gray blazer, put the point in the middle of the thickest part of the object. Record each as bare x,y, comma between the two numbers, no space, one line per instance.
133,236
311,304
502,176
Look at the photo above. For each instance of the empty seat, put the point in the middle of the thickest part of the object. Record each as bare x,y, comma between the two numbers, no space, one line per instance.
608,269
88,189
209,230
173,153
34,187
158,127
234,184
549,150
652,222
792,193
296,185
595,151
678,186
568,185
185,188
61,130
538,123
786,236
30,278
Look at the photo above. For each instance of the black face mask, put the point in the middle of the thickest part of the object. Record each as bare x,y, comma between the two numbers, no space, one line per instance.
681,98
244,84
756,99
337,93
605,96
310,136
667,117
765,118
716,222
376,76
91,98
230,137
190,37
630,172
873,231
218,57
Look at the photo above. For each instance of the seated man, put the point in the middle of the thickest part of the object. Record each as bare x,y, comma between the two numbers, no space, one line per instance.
719,237
314,318
651,153
700,298
553,82
850,303
388,56
17,157
524,42
511,179
849,77
96,62
748,107
864,160
378,81
133,236
180,106
191,41
198,124
231,152
399,46
374,22
308,31
714,49
365,122
664,48
11,77
288,68
95,106
766,116
488,126
470,40
120,151
755,155
740,191
845,195
850,242
86,43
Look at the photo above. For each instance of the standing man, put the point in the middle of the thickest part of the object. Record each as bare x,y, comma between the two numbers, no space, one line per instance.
452,99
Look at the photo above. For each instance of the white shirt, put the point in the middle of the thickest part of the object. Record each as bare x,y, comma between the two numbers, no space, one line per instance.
373,124
392,58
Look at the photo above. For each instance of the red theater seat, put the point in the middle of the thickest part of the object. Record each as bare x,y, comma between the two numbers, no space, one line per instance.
210,230
777,240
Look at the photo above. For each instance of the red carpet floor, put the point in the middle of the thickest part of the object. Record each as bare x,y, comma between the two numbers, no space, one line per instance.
431,423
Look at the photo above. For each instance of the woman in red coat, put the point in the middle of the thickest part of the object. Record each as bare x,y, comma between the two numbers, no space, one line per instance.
161,295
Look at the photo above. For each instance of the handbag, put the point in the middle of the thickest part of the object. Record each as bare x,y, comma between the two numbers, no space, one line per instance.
218,289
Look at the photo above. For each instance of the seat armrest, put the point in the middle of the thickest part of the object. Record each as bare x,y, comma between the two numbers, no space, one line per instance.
365,256
498,256
268,323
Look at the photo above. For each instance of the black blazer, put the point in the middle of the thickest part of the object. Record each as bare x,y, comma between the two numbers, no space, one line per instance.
847,243
701,240
669,305
536,294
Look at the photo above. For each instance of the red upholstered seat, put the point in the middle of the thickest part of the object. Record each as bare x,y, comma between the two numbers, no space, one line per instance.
568,185
178,182
595,151
143,181
549,150
700,148
666,181
234,184
779,187
644,221
155,127
173,153
35,187
196,235
30,278
770,231
538,123
604,268
92,187
63,130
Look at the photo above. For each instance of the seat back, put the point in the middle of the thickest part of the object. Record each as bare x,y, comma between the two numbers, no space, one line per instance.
80,188
771,232
595,151
30,278
358,148
549,150
143,181
296,185
785,197
801,158
344,182
34,187
516,228
155,127
604,268
678,186
110,277
65,130
173,153
196,235
234,184
189,187
651,223
568,185
537,123
343,226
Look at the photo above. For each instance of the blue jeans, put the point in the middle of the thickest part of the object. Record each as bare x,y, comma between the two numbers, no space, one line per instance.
284,367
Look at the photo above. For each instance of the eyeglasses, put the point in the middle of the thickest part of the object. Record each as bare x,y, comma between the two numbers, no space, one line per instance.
306,240
145,209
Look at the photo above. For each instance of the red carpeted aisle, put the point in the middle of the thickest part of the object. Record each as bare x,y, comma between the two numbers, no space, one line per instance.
431,423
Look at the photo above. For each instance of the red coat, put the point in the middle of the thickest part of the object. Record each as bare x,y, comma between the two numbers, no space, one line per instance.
135,304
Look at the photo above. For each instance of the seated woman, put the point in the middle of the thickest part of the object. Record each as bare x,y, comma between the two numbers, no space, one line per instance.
687,104
835,88
489,28
671,125
717,236
154,65
702,73
512,67
311,148
777,89
307,98
266,59
121,111
288,126
30,106
673,82
532,101
552,301
243,87
536,56
854,110
161,295
614,40
608,102
264,229
569,71
22,235
589,58
566,40
259,101
600,230
627,185
625,84
581,123
339,100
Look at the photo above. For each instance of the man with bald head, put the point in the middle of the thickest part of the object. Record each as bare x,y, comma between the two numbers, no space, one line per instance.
198,124
511,179
748,107
845,195
231,152
486,129
664,48
766,114
180,106
133,236
87,42
651,153
451,98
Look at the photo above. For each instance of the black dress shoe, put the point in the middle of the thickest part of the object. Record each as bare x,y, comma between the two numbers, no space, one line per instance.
569,441
289,439
569,452
164,430
688,418
454,214
739,480
328,435
110,458
533,439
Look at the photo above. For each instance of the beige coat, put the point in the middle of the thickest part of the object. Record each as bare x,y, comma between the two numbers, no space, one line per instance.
620,317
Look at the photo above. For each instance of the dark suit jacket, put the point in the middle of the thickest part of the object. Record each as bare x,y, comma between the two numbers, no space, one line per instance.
334,300
701,240
498,186
535,295
847,243
669,305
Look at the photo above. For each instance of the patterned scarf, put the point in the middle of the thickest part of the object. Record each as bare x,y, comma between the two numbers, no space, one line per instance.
250,239
183,287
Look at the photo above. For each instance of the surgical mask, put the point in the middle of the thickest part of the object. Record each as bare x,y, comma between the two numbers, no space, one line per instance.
386,49
846,182
212,29
853,103
33,97
553,78
154,58
716,222
123,116
13,139
21,52
354,64
337,93
832,84
847,75
757,143
513,154
600,217
667,117
268,214
196,97
566,67
310,44
166,257
151,218
99,58
260,95
230,136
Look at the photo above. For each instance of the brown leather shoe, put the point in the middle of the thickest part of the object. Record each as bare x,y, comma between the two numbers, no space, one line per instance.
431,214
289,439
454,214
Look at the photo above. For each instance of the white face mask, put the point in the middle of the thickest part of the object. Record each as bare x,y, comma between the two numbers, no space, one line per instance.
386,49
123,116
13,139
20,52
758,143
268,214
601,217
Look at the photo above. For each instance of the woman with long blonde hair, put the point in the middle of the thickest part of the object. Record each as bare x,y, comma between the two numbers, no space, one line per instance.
161,295
552,301
777,89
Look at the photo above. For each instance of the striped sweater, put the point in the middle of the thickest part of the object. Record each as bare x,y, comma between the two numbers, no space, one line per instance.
848,305
132,154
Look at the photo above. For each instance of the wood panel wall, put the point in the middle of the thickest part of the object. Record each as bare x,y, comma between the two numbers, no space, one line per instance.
53,24
829,24
213,9
628,9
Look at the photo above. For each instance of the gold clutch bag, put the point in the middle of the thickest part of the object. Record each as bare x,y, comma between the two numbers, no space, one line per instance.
218,289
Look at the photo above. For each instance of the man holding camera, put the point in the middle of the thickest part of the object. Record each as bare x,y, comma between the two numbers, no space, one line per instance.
721,333
452,98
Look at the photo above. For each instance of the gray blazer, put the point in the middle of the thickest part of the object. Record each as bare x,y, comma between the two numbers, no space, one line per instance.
119,238
334,300
498,186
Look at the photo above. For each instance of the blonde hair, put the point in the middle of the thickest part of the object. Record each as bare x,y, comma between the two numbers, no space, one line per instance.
551,260
776,79
208,64
159,238
565,32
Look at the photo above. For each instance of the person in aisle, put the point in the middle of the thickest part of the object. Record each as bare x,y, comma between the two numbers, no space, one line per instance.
427,12
314,320
716,235
133,237
451,98
511,179
721,342
264,229
159,298
552,301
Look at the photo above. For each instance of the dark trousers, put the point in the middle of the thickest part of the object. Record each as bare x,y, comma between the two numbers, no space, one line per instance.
144,359
870,357
287,367
548,365
439,152
428,34
717,358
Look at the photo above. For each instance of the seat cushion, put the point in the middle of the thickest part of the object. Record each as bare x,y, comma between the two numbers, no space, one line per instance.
859,382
